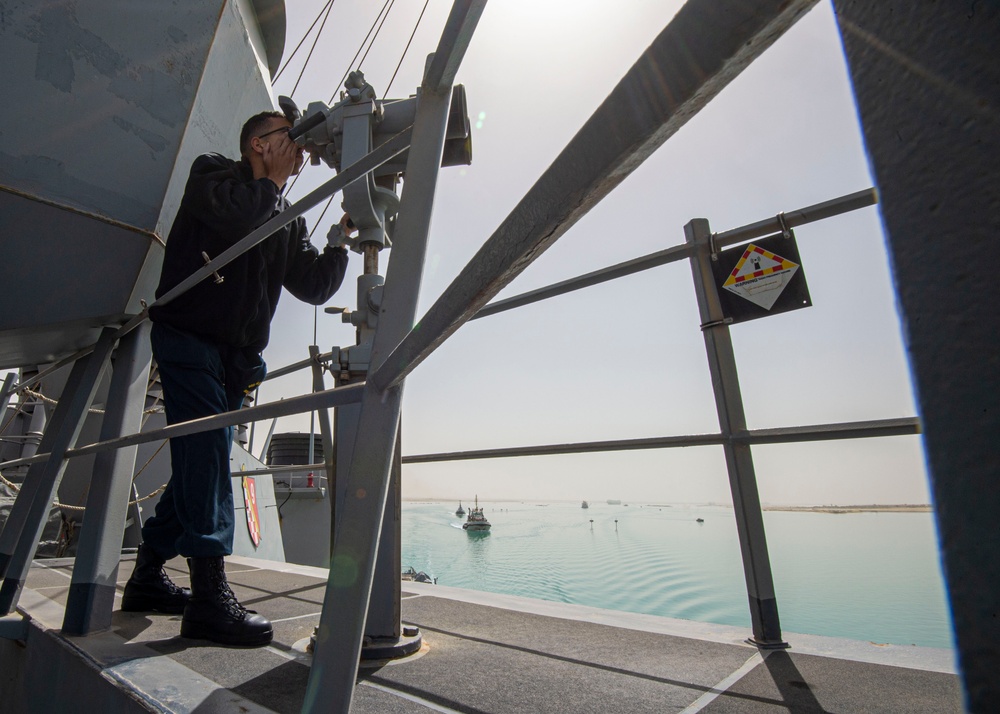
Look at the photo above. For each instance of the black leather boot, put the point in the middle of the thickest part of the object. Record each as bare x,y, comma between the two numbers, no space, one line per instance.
150,590
213,612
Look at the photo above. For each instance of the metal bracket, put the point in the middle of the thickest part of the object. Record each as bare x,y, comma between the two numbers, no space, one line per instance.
786,231
716,323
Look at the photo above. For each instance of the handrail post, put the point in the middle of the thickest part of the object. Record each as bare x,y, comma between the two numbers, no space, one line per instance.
356,538
5,396
739,461
24,526
92,592
368,482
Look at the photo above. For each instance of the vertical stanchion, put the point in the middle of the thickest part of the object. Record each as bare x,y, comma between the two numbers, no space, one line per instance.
383,628
92,592
352,567
5,396
739,461
27,517
324,420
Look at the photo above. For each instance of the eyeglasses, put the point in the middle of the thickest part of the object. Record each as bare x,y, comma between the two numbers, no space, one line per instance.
285,129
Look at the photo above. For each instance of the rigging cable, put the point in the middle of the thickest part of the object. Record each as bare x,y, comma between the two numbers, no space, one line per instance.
315,42
387,4
405,49
393,2
351,64
288,61
379,21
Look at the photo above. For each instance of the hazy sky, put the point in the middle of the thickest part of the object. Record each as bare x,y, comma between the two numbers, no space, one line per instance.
626,359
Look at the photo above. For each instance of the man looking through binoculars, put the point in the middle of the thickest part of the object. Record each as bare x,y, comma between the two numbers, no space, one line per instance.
207,343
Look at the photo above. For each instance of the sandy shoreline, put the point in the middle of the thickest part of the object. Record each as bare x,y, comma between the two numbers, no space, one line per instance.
899,508
864,508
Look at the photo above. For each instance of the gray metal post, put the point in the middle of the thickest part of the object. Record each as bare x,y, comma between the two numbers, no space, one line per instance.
135,513
352,568
5,396
739,461
324,418
383,627
27,517
92,592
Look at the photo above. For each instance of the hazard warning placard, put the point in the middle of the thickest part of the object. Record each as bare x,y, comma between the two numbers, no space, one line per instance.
762,278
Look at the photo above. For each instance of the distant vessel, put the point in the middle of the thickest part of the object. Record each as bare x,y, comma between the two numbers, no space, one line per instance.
460,511
585,505
699,520
614,502
476,520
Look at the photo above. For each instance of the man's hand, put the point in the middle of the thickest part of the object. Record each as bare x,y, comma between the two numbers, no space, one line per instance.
281,157
339,235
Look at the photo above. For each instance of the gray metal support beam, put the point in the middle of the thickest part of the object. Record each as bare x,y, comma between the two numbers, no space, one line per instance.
356,541
285,407
926,78
92,592
705,46
739,461
902,426
24,526
796,218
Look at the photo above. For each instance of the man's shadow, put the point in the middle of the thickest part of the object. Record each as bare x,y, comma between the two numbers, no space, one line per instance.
796,694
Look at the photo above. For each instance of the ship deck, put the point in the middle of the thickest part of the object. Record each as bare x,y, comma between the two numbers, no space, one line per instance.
481,653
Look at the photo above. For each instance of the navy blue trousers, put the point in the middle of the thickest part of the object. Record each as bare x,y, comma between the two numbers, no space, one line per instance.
194,516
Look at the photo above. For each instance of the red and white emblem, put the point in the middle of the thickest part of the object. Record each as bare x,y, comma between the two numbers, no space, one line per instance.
253,518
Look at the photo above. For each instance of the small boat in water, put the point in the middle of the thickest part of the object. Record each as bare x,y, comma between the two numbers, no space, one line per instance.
585,505
476,522
411,574
460,511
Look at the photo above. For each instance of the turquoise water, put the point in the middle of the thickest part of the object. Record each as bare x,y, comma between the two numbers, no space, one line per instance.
866,576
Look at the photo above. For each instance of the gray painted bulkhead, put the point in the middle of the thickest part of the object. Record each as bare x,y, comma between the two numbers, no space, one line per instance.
107,105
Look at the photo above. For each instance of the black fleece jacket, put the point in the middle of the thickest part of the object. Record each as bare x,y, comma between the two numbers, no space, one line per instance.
222,204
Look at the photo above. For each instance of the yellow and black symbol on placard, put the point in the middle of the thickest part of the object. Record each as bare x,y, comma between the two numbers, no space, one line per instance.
761,278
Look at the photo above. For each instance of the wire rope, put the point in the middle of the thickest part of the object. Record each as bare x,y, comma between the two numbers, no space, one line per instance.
311,49
372,43
351,64
387,4
405,49
380,19
298,46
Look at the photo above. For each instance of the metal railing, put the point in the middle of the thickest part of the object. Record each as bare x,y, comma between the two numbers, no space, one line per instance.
611,144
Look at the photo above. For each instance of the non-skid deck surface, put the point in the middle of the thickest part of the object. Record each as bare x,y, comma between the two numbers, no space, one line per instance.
498,654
